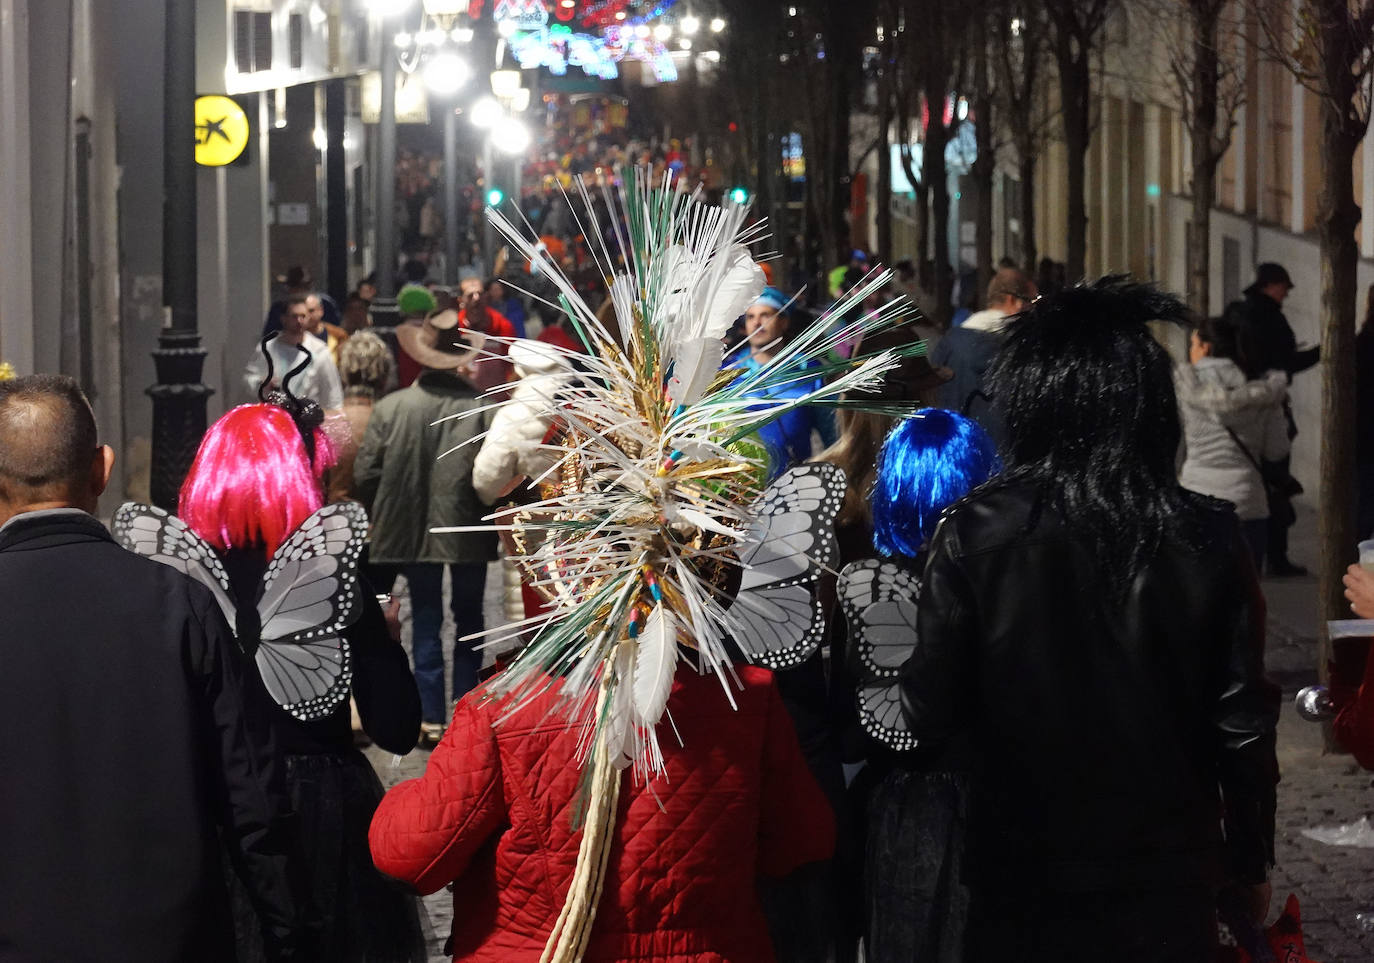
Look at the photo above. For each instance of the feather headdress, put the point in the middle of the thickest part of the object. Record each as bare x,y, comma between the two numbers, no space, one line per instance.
656,503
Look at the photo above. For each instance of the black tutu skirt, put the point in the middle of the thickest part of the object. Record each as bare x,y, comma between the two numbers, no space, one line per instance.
348,910
917,900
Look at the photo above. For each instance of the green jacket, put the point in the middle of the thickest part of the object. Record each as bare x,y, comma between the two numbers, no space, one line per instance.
408,488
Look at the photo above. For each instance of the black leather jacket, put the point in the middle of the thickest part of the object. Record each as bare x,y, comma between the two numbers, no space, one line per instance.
1112,740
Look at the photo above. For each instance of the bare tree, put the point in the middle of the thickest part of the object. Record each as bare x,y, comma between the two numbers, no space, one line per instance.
935,59
1205,65
985,163
1076,27
1019,37
1330,50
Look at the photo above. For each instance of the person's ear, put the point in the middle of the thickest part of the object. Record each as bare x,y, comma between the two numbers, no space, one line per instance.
101,469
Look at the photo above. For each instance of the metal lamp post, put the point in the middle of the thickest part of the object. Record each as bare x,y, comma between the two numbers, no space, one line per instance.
179,397
384,310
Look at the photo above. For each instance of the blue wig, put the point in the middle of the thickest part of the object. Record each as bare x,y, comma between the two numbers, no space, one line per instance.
928,462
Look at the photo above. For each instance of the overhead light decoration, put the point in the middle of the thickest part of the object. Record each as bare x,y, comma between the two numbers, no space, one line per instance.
689,25
545,33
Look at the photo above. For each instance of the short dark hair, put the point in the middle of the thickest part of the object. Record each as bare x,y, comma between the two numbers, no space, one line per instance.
1010,283
47,437
294,300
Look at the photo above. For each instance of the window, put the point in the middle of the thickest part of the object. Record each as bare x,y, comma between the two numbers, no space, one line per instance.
252,41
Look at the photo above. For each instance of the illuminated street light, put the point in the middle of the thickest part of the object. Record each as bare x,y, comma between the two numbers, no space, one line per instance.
446,72
684,44
486,113
509,136
663,33
689,25
642,31
504,83
717,25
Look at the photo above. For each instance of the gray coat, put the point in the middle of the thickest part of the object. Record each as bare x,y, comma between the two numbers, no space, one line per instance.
1214,395
408,488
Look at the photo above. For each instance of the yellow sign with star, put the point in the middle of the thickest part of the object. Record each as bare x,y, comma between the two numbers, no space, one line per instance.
221,130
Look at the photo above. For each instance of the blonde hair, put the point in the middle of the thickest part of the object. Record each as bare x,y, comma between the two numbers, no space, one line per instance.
856,454
365,364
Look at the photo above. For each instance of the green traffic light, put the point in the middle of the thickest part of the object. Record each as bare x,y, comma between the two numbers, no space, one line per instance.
739,195
495,196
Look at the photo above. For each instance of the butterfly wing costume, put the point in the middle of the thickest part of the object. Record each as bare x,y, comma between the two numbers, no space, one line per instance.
879,599
309,594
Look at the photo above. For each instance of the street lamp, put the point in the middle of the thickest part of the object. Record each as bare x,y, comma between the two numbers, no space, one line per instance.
445,73
509,136
663,33
485,114
717,24
689,25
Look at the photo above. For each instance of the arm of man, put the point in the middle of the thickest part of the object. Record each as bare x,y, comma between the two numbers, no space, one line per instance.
1245,723
367,466
936,680
248,778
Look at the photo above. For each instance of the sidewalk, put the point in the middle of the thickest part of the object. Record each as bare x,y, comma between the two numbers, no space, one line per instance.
1332,883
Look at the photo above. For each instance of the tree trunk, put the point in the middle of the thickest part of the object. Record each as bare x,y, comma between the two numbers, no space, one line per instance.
1203,127
1026,171
1075,89
884,191
936,178
1338,217
985,165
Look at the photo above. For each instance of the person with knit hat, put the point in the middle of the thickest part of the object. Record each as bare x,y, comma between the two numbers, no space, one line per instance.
415,302
770,323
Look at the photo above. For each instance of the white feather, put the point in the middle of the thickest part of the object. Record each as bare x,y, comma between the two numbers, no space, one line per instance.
695,364
623,296
726,299
654,666
620,722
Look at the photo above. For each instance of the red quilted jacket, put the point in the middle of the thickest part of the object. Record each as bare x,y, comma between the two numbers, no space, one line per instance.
492,814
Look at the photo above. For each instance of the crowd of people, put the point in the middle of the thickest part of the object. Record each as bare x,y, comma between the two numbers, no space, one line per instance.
1050,739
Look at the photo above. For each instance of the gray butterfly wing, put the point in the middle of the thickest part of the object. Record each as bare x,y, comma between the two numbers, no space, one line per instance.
879,600
777,619
153,533
310,594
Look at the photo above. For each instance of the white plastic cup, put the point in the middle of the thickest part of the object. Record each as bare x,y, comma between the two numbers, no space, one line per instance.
1367,555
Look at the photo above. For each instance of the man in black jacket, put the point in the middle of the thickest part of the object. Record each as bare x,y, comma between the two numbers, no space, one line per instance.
1098,632
1269,345
127,764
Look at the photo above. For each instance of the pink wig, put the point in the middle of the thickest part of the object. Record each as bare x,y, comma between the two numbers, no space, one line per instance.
252,482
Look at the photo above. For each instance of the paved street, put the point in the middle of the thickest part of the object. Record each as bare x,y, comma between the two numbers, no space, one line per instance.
1333,884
